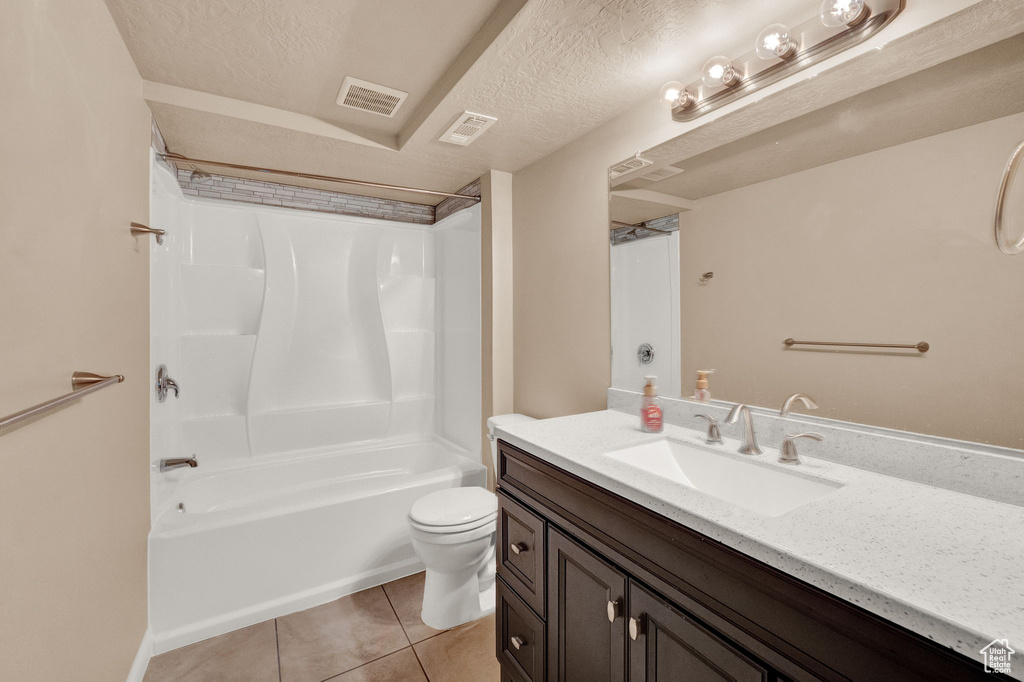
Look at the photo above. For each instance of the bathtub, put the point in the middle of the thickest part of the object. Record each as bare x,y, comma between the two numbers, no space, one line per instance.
262,541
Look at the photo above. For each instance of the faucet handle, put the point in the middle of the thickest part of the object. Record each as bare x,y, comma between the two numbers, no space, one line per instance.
788,453
714,436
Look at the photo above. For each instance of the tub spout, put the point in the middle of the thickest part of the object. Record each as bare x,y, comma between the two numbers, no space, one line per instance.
168,464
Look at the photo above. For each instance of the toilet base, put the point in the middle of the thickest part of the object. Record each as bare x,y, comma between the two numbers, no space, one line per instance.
451,599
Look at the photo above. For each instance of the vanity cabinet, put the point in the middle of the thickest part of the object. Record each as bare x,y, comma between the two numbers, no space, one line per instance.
594,588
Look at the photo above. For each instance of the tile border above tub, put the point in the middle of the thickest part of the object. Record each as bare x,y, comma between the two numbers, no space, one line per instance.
987,471
216,186
453,205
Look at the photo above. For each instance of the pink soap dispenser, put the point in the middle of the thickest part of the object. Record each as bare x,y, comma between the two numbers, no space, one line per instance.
702,393
650,410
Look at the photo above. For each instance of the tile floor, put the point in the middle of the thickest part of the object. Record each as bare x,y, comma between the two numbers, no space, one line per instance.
372,636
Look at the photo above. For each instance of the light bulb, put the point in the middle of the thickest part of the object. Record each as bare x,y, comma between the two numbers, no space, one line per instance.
674,94
841,13
775,42
719,71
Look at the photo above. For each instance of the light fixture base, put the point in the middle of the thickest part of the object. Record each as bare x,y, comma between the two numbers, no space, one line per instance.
814,43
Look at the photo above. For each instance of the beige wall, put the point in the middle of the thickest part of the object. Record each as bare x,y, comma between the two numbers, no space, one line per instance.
561,307
894,246
496,302
74,135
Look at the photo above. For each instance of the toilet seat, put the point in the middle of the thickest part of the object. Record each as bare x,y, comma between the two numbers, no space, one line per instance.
454,510
457,528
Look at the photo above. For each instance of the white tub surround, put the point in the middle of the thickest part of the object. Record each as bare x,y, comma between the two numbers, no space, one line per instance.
944,564
329,369
645,309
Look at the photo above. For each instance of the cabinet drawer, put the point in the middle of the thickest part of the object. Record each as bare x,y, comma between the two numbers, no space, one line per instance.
521,551
520,636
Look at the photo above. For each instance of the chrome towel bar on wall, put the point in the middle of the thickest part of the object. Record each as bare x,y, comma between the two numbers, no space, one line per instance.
1004,243
83,384
922,346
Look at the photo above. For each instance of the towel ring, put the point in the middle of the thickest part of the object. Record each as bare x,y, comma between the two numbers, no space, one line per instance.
1004,244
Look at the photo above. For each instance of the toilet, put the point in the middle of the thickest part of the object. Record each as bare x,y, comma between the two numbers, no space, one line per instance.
453,534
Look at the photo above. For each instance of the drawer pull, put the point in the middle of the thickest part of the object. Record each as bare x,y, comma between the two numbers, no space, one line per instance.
518,642
518,547
636,627
614,610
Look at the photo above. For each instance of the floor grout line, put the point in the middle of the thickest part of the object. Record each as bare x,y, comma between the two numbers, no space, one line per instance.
277,643
418,661
385,592
397,617
363,665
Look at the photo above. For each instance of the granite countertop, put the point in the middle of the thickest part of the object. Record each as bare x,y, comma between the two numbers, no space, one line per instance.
944,564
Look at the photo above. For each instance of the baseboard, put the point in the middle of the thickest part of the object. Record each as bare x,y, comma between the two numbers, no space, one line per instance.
195,632
142,656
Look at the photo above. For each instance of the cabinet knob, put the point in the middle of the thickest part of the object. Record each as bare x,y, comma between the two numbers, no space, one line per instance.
517,642
517,547
636,627
614,610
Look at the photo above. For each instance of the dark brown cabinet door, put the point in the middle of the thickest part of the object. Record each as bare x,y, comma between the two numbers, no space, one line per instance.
586,619
667,646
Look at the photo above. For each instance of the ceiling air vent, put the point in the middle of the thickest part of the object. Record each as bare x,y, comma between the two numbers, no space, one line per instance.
366,96
467,127
628,166
661,173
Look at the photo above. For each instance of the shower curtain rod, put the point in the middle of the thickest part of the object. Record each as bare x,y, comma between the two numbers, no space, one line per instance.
173,156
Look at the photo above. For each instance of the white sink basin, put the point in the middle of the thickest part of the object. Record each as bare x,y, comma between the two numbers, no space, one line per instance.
757,486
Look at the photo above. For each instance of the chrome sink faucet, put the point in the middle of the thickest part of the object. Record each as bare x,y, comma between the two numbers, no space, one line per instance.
787,406
749,446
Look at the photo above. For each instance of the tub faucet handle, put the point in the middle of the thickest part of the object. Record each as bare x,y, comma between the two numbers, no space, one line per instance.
714,435
164,383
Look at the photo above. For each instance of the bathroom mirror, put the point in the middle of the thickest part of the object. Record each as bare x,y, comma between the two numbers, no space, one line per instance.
867,221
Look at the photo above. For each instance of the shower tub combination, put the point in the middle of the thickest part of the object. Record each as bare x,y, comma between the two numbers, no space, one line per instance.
258,542
327,367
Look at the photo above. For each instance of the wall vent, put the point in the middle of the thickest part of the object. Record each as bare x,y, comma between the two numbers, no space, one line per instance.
628,166
367,96
467,127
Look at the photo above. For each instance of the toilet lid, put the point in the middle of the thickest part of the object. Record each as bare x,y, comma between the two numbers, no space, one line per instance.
454,507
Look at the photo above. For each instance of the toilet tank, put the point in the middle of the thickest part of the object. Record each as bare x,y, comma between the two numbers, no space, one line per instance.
502,420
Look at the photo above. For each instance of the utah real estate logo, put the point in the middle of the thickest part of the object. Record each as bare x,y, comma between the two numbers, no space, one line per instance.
997,656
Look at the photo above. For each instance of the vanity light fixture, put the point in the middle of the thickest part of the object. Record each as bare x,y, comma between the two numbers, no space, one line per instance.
842,13
674,94
775,42
719,71
780,51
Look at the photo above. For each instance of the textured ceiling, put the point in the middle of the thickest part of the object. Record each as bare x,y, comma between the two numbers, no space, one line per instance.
558,69
980,86
293,54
